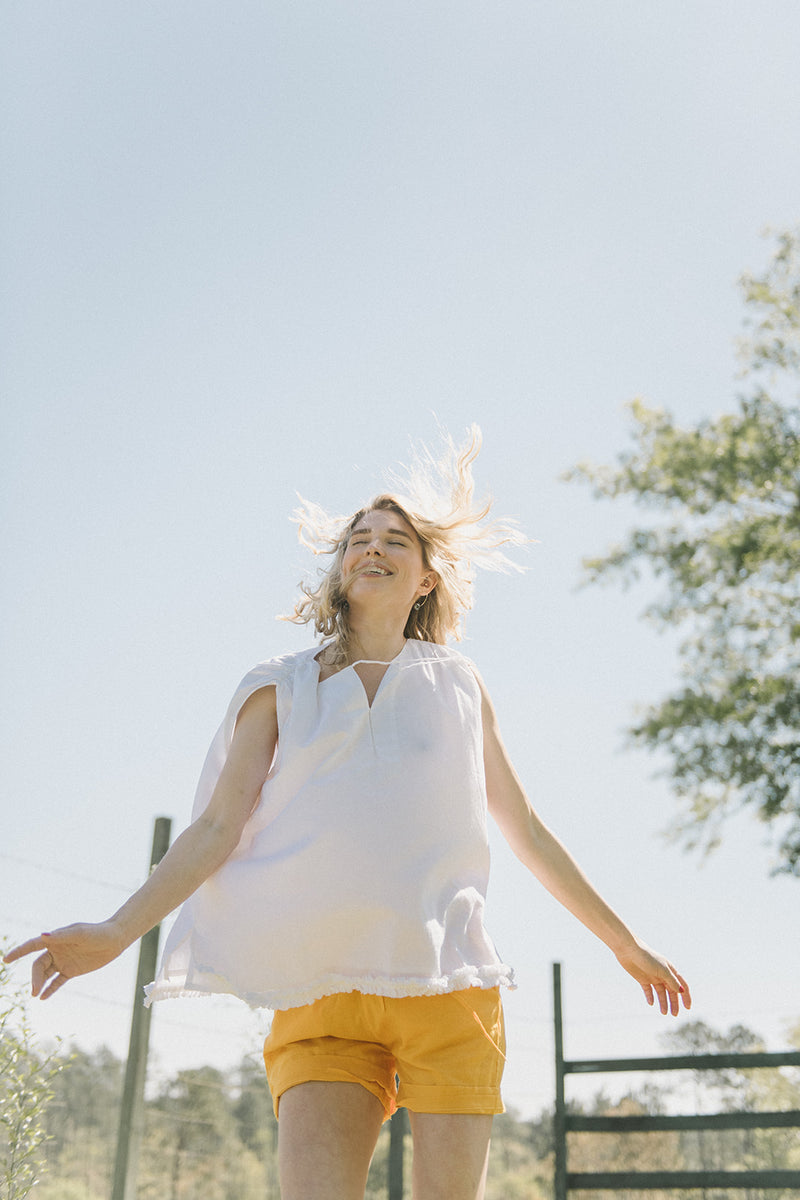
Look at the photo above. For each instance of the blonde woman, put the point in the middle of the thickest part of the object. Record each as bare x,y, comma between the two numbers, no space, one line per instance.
336,866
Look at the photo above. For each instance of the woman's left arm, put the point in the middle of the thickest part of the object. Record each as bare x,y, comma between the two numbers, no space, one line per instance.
545,856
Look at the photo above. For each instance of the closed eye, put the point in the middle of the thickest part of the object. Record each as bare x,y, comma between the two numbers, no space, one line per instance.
401,538
365,541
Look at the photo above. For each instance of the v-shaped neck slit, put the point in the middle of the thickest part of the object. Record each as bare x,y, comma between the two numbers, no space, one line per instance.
371,699
363,662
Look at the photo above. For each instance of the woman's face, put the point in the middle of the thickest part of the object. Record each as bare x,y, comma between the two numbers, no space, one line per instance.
383,561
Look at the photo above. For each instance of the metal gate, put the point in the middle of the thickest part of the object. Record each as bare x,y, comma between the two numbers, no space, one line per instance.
621,1181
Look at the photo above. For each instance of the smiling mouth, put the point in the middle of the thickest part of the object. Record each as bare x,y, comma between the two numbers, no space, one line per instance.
375,571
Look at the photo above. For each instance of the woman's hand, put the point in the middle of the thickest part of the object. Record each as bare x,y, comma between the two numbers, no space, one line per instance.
73,950
656,977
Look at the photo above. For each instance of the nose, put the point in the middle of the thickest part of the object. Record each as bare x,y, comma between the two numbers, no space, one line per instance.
374,547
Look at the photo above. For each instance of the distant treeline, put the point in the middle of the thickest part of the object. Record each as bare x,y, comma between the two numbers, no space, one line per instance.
212,1134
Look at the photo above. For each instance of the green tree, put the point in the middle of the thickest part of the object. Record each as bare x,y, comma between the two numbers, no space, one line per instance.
26,1080
82,1120
737,1089
192,1142
521,1158
628,1151
256,1122
252,1108
726,542
196,1106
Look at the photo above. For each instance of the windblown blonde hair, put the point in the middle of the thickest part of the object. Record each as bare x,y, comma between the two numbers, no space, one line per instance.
437,500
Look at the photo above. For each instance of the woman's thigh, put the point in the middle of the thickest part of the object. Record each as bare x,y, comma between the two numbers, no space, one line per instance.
451,1155
326,1137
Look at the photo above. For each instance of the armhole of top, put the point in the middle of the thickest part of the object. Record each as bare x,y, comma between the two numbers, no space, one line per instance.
248,688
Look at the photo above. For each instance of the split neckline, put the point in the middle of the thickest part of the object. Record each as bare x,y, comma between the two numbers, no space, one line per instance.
359,662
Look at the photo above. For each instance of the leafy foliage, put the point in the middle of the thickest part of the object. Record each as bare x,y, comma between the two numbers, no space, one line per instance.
26,1087
212,1133
728,550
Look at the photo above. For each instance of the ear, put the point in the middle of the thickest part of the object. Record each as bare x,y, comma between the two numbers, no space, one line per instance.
428,582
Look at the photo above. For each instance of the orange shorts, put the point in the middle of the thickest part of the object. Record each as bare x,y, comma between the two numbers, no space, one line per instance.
448,1051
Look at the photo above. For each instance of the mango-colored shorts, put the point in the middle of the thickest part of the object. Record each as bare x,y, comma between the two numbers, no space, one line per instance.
448,1051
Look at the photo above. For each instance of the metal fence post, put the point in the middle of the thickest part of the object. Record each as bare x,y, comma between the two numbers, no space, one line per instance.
397,1138
559,1117
132,1110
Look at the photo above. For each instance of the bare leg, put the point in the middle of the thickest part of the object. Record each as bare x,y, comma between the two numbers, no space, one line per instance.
326,1136
451,1155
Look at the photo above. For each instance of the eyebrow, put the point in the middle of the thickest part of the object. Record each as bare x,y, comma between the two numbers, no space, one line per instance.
396,532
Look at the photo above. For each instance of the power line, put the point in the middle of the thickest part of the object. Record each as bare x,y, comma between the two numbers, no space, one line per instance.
51,870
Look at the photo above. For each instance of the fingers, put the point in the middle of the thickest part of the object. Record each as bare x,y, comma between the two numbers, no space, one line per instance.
29,947
685,993
43,973
669,993
675,994
663,998
667,998
57,982
44,970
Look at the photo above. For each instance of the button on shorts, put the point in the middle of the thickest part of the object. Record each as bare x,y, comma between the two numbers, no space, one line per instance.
447,1051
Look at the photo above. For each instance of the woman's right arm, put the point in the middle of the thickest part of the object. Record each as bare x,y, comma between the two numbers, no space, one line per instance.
196,854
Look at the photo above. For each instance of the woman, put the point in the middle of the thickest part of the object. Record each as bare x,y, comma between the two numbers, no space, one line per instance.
336,866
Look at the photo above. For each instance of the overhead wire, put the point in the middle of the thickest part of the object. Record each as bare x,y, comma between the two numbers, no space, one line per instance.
48,868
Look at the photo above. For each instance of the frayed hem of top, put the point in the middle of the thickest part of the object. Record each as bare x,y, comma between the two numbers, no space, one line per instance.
370,986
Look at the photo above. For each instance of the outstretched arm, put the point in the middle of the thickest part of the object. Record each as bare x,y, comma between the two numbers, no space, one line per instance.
196,854
545,856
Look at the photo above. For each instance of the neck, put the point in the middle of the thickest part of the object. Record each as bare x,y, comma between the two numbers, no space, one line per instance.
374,639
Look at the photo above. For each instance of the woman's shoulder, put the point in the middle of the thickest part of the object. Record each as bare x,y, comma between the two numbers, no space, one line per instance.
441,653
280,672
280,669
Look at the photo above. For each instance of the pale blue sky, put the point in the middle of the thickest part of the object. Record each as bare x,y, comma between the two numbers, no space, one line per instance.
250,250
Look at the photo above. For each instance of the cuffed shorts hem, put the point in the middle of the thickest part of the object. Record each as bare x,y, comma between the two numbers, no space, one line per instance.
459,1100
324,1068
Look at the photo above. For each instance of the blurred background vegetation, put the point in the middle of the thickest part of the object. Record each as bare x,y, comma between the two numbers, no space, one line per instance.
212,1134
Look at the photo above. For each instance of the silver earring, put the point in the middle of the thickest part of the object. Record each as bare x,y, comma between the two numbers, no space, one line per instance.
420,603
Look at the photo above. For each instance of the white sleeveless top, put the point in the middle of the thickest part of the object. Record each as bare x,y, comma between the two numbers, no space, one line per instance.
365,862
